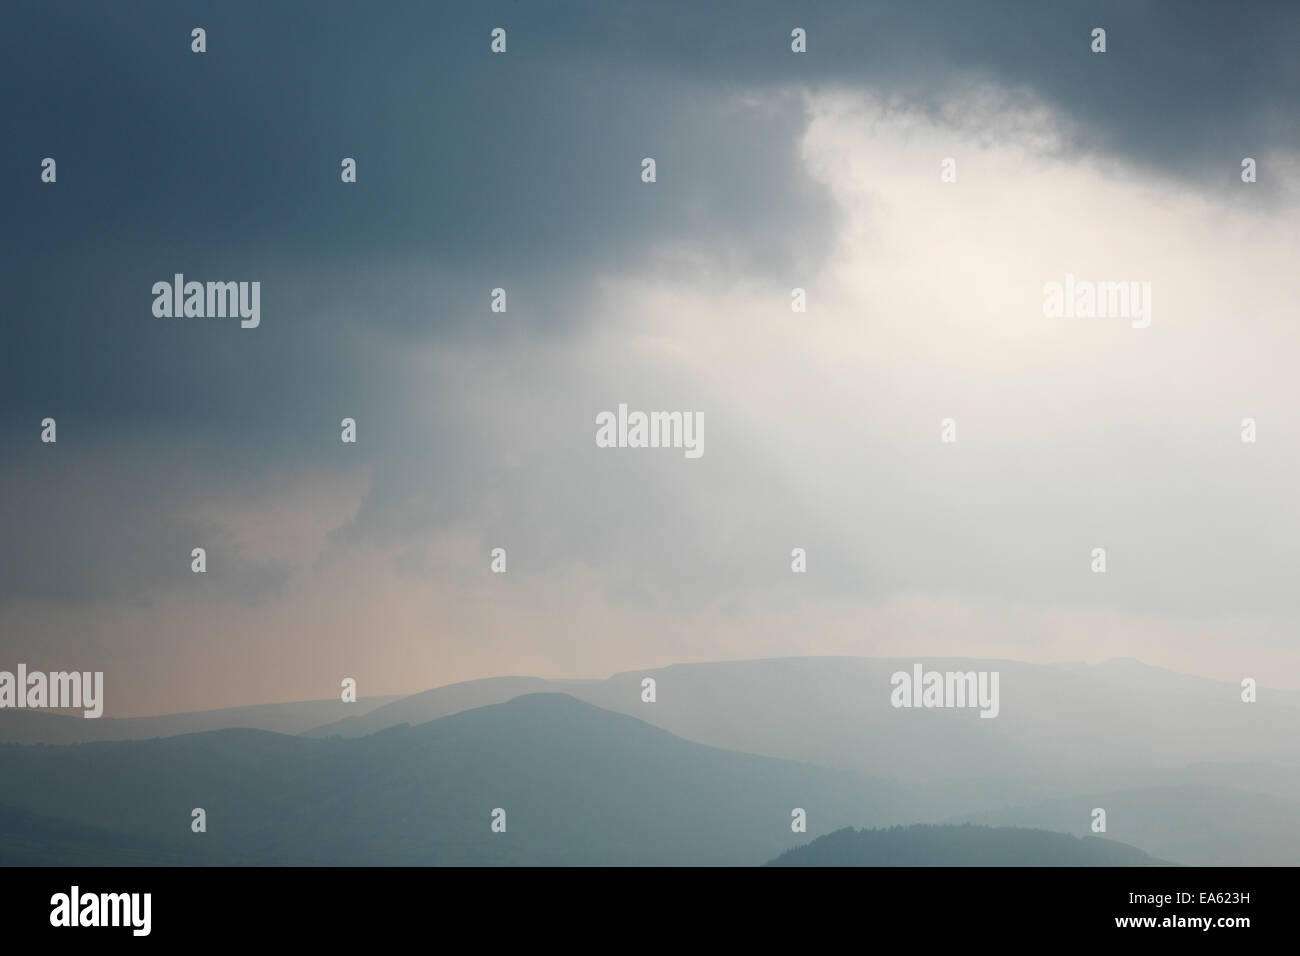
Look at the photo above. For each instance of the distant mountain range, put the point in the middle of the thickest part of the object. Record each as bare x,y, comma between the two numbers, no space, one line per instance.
1054,719
579,785
41,727
708,773
835,712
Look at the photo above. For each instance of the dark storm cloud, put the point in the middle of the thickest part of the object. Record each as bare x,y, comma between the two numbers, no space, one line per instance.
519,171
475,171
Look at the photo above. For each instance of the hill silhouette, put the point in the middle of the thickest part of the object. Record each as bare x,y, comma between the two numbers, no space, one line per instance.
813,717
835,712
44,727
579,785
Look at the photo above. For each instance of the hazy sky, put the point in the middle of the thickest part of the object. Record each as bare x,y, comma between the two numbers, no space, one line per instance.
476,429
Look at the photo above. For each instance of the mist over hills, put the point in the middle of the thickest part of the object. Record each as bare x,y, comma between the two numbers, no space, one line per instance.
965,845
42,727
957,797
1054,720
1132,674
579,785
443,701
836,712
1195,824
1185,770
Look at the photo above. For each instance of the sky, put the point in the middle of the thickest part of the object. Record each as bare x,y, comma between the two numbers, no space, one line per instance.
522,170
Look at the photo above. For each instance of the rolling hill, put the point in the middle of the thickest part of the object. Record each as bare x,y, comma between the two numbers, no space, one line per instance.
43,727
579,785
835,712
